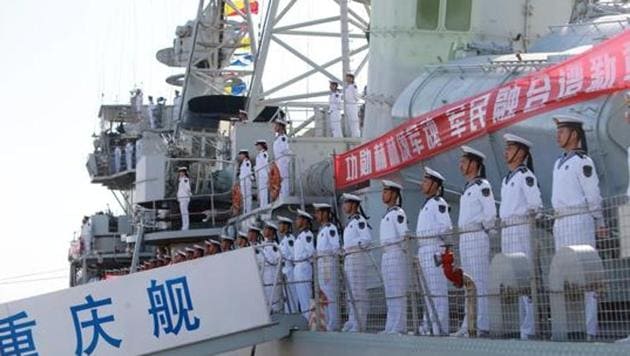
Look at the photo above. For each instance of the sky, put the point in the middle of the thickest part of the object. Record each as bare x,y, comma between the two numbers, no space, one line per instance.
60,61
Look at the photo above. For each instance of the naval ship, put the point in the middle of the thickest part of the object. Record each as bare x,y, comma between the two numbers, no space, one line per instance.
418,59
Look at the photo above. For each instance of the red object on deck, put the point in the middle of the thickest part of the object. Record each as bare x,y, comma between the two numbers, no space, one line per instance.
453,274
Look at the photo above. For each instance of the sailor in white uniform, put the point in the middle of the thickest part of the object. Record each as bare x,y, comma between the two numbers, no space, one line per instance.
282,154
357,238
328,247
520,197
151,108
351,105
577,201
227,242
261,168
287,244
477,214
393,230
245,179
302,255
272,262
334,109
433,222
117,158
177,103
253,238
129,156
183,196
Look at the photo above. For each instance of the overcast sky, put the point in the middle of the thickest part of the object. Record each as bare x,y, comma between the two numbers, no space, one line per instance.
60,61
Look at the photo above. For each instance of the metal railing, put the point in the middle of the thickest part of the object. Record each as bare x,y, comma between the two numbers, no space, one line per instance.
570,285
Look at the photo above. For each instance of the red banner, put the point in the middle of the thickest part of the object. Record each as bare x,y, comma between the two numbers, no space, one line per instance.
603,69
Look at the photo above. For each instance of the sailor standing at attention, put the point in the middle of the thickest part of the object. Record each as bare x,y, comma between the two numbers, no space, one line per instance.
520,197
577,201
129,164
183,196
477,215
302,254
282,154
351,105
357,238
433,222
262,173
117,158
328,263
272,259
245,179
334,109
394,261
287,244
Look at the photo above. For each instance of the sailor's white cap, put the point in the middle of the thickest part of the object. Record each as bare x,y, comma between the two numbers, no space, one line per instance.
182,169
333,82
284,219
190,249
198,247
243,150
280,120
253,227
350,197
166,257
304,214
271,224
388,184
318,206
241,111
350,74
261,142
564,120
471,151
212,242
226,237
517,139
433,174
242,233
181,253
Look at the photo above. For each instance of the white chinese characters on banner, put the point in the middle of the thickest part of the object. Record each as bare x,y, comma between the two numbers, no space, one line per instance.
352,167
380,157
365,162
603,72
432,134
538,93
571,80
506,103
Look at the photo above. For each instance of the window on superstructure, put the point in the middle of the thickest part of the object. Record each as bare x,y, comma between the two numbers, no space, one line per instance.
458,15
427,14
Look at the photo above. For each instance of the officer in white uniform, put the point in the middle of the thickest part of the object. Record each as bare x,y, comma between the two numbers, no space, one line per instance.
287,244
393,230
334,109
117,158
328,247
282,154
272,260
245,179
183,196
477,214
129,156
433,221
262,173
520,197
357,237
302,255
577,201
351,105
241,239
